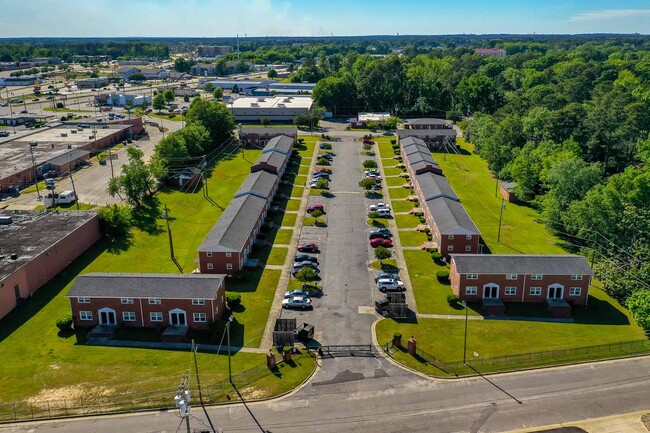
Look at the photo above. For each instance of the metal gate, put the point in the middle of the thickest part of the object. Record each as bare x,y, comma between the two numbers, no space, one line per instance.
345,350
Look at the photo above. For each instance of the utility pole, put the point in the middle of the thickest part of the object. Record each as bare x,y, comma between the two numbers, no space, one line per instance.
182,402
169,232
503,206
465,339
195,348
230,319
32,145
496,189
72,181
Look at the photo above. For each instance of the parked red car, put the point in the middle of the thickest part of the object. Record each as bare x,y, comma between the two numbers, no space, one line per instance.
308,247
379,242
314,207
323,170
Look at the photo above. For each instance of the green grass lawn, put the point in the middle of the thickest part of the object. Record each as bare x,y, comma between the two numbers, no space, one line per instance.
399,192
377,222
289,220
395,181
293,204
277,256
385,149
393,171
389,162
175,118
402,205
300,180
521,231
50,361
283,236
304,170
412,238
407,221
297,191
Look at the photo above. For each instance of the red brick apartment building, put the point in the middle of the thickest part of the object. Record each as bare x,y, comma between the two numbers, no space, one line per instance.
36,246
434,132
258,137
559,281
227,246
147,300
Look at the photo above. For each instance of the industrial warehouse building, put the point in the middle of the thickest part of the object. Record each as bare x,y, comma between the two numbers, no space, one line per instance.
276,109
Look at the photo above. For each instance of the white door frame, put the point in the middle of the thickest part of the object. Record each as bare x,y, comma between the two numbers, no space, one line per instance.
554,286
177,311
491,285
107,310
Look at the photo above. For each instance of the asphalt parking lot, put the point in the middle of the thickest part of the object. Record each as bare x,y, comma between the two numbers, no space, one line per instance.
345,312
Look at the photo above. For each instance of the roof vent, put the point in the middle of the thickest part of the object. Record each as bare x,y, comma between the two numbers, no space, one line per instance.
14,256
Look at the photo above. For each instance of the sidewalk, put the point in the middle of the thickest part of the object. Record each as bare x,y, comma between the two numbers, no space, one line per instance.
626,423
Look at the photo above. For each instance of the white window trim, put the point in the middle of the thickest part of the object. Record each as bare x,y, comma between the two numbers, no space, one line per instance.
158,314
472,276
468,237
208,254
228,265
572,289
511,277
155,301
228,254
127,301
83,300
450,248
130,314
576,277
198,316
450,237
197,301
537,289
537,277
210,266
508,289
85,315
471,290
468,248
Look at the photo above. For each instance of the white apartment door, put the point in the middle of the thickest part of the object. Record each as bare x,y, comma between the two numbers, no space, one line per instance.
107,316
555,291
491,291
177,317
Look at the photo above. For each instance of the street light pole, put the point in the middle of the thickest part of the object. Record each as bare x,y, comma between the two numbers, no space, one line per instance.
465,339
230,319
32,145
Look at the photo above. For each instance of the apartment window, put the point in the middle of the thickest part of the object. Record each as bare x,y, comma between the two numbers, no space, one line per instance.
472,276
208,254
450,237
156,316
83,300
471,290
468,248
511,290
199,317
128,316
228,265
86,315
535,291
575,291
154,301
511,276
576,277
536,277
450,248
210,266
468,237
198,301
228,254
127,300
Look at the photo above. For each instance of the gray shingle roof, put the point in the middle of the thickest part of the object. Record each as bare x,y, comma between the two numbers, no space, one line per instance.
435,185
508,186
415,148
451,217
425,157
274,159
236,224
405,133
260,184
281,143
164,286
409,141
522,264
429,121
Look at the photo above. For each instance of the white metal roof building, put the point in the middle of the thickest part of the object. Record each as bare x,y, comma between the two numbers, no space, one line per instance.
276,109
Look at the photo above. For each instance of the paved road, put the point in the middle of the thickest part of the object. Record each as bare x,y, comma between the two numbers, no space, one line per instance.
344,257
372,395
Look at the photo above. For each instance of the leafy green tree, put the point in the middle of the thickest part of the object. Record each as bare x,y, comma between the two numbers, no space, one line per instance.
382,253
136,181
369,163
235,89
115,220
214,117
306,275
264,121
639,305
208,87
183,65
169,95
159,102
218,93
367,184
478,93
137,77
272,74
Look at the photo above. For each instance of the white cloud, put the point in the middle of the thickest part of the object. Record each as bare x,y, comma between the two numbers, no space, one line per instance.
609,15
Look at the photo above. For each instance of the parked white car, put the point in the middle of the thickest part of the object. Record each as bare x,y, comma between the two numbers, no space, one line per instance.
375,207
390,285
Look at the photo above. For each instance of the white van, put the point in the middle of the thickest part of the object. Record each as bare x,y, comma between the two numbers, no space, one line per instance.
64,197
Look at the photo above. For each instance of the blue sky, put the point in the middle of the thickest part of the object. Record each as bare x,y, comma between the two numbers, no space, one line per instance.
211,18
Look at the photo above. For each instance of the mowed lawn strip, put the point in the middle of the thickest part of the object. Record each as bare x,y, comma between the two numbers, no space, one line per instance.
395,181
392,171
402,205
48,362
412,238
521,231
407,221
399,192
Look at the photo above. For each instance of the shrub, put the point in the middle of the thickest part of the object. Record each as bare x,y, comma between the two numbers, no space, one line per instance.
373,214
233,300
369,164
325,146
442,276
306,275
396,152
322,184
63,118
422,220
115,220
64,322
367,183
60,105
436,256
367,146
301,141
322,161
382,254
393,141
453,300
397,336
639,305
317,213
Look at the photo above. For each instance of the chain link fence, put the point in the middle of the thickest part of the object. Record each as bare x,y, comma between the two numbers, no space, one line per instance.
476,365
214,389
